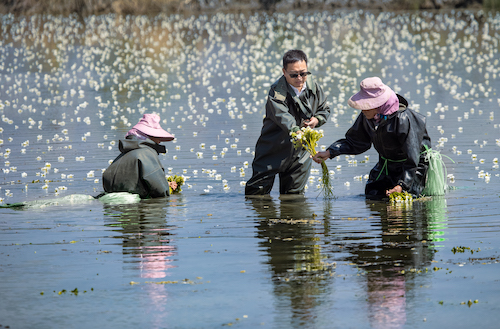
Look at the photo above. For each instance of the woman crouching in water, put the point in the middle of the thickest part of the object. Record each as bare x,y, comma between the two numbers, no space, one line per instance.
138,169
398,134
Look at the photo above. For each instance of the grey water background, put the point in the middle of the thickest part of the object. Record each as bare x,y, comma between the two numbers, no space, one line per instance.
209,257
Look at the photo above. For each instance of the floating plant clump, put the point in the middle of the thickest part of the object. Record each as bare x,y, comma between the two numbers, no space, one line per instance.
401,198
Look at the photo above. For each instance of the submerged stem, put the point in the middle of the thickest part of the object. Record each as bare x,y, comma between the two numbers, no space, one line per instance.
326,183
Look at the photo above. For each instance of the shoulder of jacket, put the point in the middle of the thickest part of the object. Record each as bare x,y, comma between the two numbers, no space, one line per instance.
416,115
279,89
312,85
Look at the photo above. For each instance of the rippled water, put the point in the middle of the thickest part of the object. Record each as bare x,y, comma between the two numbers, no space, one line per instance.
209,257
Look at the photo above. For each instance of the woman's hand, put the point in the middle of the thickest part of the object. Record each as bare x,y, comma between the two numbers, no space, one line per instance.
321,156
396,188
173,185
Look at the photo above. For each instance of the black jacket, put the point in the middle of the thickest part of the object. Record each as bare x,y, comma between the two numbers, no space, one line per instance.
137,169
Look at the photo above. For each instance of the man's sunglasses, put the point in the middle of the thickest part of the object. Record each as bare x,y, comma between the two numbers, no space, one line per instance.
302,74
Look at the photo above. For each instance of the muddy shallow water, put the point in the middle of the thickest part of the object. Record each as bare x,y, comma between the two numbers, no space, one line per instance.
209,257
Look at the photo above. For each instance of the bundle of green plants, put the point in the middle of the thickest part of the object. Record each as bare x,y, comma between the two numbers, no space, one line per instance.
436,174
401,198
308,138
179,180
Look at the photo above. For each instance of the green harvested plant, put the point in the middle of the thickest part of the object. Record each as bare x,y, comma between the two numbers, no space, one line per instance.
436,174
401,198
308,138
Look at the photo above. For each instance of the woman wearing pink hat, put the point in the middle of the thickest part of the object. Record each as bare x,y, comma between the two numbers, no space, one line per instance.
138,169
398,134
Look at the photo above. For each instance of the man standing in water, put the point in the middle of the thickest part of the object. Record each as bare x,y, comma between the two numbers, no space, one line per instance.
293,102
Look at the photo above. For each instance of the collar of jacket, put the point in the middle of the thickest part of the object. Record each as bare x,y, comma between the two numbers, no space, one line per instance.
283,87
139,143
403,105
402,101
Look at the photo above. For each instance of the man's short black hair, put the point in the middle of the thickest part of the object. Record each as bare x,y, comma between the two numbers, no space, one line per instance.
293,56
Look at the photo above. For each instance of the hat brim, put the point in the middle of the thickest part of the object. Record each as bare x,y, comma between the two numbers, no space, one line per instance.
363,101
166,139
160,133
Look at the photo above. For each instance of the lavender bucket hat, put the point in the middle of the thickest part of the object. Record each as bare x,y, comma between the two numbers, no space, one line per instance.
150,125
373,94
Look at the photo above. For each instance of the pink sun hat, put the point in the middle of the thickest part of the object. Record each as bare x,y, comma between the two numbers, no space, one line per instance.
373,94
150,125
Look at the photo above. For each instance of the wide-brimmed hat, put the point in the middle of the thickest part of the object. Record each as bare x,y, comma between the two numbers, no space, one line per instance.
373,94
150,125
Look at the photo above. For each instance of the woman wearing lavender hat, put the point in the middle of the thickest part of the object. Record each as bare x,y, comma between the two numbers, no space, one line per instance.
138,169
398,134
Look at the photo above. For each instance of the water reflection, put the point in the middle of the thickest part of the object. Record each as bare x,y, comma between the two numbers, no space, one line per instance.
147,245
389,249
407,246
146,235
288,234
437,217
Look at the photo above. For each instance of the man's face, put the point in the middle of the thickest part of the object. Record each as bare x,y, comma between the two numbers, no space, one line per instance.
296,68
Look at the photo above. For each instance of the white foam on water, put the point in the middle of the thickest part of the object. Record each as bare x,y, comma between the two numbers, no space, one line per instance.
120,198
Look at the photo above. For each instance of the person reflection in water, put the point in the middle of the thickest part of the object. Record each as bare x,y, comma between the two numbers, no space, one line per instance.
138,169
149,250
288,235
146,236
405,246
398,134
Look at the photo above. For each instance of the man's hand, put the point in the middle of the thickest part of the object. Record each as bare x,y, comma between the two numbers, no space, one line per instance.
313,122
321,156
173,185
396,188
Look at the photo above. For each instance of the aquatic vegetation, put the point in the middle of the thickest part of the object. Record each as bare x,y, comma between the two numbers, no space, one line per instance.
308,138
401,198
292,221
184,281
459,249
470,302
437,173
462,249
63,291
